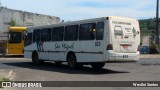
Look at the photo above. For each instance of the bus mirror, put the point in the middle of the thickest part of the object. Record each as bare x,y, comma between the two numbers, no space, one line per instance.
25,35
25,32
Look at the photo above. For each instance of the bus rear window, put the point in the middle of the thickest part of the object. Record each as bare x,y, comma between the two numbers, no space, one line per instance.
118,31
15,37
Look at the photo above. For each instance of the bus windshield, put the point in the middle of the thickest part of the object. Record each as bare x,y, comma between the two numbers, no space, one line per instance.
15,37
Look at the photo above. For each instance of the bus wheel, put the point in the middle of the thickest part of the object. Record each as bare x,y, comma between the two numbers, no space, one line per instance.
71,59
35,58
98,65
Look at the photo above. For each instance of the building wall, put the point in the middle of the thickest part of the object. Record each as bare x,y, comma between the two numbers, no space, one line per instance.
23,18
145,40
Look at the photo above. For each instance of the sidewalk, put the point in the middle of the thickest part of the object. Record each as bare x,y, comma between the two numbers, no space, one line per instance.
149,59
148,56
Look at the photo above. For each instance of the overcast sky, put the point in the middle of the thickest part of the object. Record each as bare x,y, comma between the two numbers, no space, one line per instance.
84,9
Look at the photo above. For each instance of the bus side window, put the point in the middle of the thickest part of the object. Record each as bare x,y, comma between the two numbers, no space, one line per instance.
99,31
37,35
28,39
46,34
71,33
57,33
87,31
118,31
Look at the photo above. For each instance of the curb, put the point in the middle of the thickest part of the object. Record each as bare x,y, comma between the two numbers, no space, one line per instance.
149,56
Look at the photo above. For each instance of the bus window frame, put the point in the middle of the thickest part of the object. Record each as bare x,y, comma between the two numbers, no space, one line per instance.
99,29
81,31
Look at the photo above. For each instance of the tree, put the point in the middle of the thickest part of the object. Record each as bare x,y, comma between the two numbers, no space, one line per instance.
12,23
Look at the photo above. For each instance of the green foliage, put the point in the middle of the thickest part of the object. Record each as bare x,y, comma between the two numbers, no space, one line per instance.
152,48
4,79
147,24
13,23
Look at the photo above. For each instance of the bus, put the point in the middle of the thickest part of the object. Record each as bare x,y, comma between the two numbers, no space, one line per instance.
93,42
15,43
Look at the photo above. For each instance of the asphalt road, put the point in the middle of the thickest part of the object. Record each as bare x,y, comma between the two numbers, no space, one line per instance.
25,71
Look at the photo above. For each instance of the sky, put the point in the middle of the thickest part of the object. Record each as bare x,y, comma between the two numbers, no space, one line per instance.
71,10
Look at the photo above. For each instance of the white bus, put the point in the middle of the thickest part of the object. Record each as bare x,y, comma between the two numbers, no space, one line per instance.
91,41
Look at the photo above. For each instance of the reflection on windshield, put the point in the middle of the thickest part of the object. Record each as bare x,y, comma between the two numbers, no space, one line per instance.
15,37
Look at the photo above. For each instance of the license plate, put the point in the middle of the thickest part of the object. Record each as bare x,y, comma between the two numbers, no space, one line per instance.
125,46
125,56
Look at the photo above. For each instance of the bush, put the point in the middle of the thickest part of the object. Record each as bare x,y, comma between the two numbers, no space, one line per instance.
152,49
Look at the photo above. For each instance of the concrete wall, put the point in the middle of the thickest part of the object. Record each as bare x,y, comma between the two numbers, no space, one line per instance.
145,40
23,18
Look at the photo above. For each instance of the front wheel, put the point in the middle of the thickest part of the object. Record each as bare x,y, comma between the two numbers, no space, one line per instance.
71,59
98,65
35,59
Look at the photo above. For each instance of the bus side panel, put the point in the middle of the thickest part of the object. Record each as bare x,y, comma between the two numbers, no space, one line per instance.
43,50
29,50
54,51
90,51
90,57
28,54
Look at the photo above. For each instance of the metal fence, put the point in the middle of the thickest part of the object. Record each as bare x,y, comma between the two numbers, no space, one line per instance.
148,46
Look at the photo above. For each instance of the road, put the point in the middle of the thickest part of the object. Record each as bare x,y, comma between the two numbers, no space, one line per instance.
25,71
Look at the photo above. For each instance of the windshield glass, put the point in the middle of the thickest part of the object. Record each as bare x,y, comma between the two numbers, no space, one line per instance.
15,37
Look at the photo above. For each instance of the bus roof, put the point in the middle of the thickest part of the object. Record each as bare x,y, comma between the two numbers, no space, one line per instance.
118,17
83,21
17,28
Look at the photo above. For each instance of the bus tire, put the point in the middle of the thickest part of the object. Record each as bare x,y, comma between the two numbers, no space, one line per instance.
72,62
35,59
98,65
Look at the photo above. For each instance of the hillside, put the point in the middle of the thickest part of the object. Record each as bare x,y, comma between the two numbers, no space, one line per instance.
147,24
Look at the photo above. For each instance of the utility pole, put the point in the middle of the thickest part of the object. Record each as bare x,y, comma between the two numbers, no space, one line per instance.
157,24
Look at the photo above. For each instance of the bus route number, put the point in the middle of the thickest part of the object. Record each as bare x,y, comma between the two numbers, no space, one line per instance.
97,43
